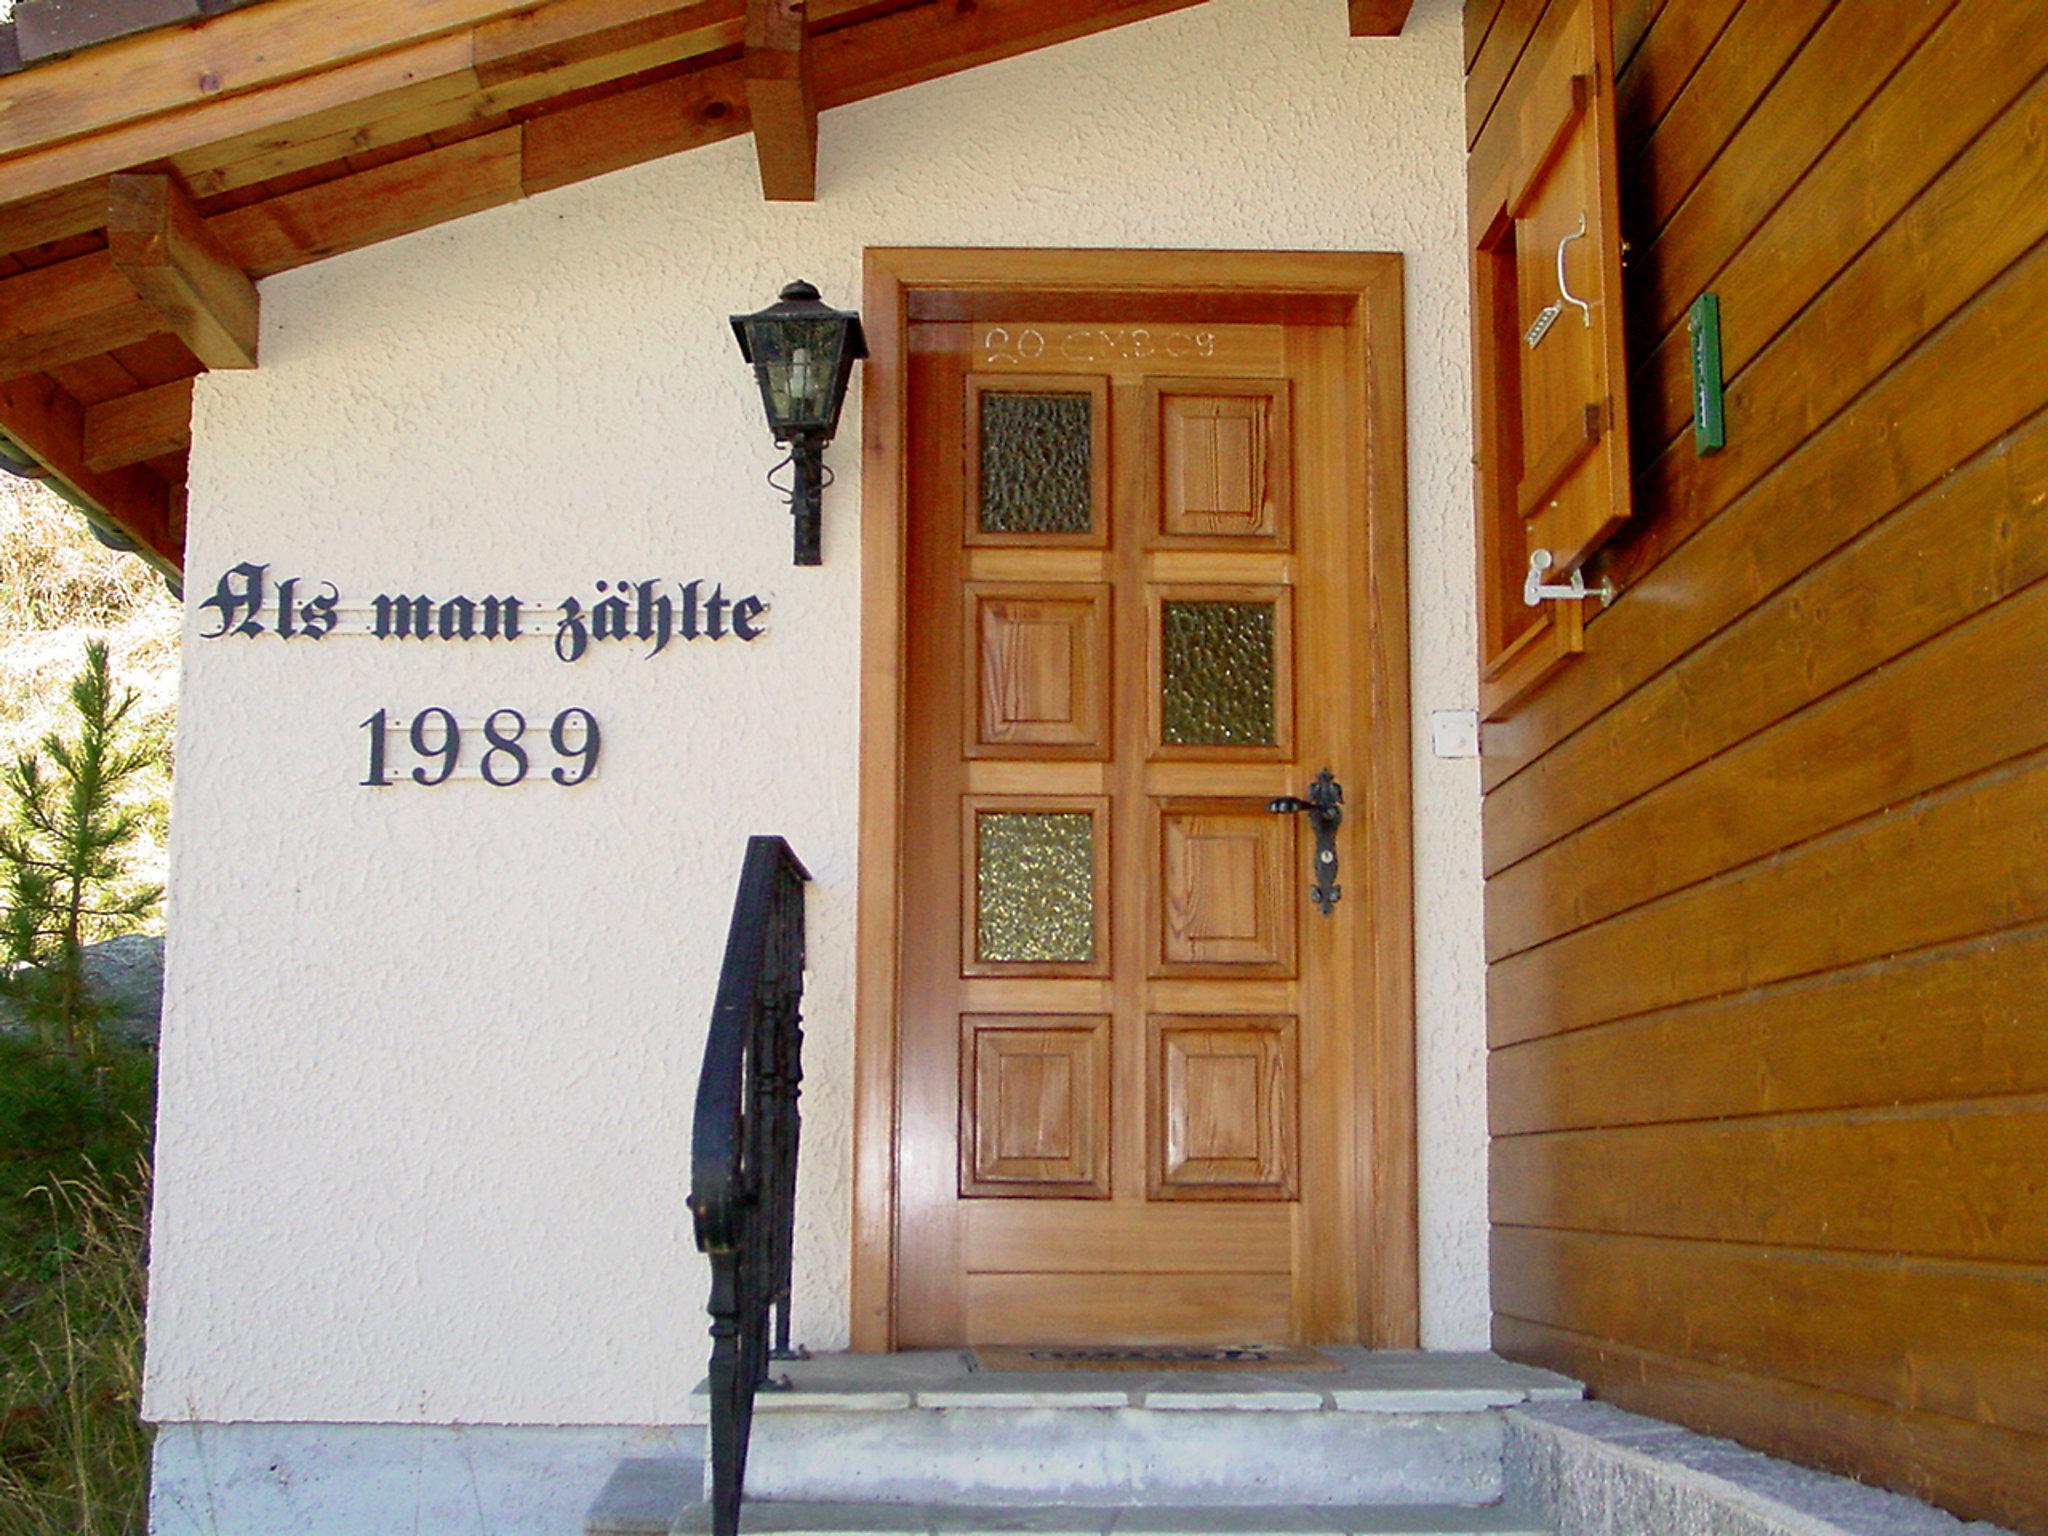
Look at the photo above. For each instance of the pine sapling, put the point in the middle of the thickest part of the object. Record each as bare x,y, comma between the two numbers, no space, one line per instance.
64,855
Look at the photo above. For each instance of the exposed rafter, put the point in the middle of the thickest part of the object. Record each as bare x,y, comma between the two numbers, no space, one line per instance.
285,133
130,429
161,244
781,101
1379,18
50,424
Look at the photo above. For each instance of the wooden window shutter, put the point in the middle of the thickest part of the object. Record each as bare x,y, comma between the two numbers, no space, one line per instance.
1552,406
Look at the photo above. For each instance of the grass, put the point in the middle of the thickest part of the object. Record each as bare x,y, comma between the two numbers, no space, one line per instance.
74,1149
74,1133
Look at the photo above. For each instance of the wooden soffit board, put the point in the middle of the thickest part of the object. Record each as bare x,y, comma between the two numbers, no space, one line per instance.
288,131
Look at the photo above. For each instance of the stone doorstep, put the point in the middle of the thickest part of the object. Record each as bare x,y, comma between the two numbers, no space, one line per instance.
794,1518
1385,1382
644,1496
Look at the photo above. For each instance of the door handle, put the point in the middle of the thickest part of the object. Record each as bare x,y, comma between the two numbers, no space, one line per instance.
1324,808
1540,327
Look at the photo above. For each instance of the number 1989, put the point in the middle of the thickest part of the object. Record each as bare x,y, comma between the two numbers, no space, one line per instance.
440,744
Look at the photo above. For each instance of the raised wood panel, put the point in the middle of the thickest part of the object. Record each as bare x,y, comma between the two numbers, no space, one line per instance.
1967,861
1140,1308
1960,1022
1223,1100
1978,1470
1306,1275
1034,1106
1964,544
1962,703
1963,388
1843,1324
1226,898
1941,1181
1220,453
1037,665
1884,159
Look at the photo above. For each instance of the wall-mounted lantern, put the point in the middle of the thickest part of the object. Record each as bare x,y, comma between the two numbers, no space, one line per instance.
803,352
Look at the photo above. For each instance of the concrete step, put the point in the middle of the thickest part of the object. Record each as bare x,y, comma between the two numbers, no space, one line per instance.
930,1429
807,1518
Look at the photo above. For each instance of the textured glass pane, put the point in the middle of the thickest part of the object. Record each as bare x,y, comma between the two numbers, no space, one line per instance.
1035,885
1217,674
1036,463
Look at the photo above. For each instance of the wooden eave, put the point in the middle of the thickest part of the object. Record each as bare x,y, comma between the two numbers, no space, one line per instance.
148,183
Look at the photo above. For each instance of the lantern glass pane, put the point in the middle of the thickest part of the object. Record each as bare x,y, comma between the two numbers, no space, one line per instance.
798,361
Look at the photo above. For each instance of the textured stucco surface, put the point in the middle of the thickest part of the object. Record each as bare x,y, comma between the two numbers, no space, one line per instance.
429,1054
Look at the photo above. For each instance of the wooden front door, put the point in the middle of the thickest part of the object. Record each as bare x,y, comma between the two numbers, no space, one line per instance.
1135,615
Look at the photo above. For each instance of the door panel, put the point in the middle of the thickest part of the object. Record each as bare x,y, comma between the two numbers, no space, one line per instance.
1034,1105
1222,1103
1122,1021
1038,662
1227,872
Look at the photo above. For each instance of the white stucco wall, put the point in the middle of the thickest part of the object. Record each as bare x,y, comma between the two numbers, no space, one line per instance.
429,1054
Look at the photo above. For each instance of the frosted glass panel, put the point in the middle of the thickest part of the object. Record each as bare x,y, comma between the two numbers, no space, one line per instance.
1035,886
1216,666
1037,463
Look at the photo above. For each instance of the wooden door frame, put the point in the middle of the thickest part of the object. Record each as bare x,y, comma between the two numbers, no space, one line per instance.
1363,293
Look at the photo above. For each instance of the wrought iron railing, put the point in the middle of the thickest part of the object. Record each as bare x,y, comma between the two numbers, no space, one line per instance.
743,1153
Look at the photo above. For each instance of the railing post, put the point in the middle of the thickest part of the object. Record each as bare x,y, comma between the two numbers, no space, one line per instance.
744,1154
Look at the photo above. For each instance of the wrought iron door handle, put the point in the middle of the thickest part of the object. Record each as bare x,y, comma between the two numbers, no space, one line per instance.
1325,810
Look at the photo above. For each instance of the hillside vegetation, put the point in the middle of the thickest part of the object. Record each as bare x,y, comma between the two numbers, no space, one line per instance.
59,587
76,1115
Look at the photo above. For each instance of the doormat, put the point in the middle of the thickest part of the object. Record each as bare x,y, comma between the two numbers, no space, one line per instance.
1149,1357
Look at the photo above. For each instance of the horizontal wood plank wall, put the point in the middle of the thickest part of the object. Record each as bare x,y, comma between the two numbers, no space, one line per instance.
1767,867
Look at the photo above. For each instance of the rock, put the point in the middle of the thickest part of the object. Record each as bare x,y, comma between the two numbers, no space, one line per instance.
126,973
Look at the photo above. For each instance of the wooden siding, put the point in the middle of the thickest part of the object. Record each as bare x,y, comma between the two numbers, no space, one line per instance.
1767,867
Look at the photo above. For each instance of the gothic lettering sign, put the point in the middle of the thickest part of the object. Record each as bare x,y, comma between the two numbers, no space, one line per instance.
248,601
434,746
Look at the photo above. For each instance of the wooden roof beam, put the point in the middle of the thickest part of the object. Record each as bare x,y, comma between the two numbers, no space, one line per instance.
1379,18
131,429
781,101
68,311
161,244
51,425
